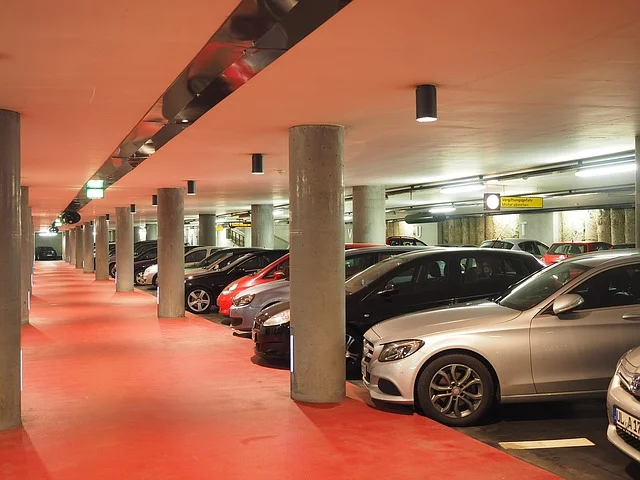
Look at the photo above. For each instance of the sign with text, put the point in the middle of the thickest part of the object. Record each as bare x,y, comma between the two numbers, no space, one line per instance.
521,202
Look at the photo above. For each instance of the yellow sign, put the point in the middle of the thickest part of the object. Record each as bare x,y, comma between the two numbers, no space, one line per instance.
520,202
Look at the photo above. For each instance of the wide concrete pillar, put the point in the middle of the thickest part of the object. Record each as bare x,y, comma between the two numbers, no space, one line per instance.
637,242
124,250
369,218
102,248
152,231
26,262
207,229
316,189
170,252
87,244
79,247
10,259
262,226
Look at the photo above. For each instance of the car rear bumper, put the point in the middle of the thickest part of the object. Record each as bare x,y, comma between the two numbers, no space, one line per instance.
272,342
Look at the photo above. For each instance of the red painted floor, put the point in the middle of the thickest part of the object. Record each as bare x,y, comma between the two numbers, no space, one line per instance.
112,392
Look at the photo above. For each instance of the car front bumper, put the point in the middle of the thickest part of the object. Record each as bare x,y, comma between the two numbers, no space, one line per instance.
391,382
619,397
148,277
242,317
224,302
271,342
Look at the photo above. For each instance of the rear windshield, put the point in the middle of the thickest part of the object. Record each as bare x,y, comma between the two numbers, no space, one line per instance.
497,244
567,249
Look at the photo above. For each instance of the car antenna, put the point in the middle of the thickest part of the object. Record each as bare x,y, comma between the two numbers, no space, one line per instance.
499,236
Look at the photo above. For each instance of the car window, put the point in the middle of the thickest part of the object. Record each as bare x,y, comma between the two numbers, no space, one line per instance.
432,275
404,279
542,284
271,257
195,256
611,288
542,248
479,268
149,254
602,246
358,262
371,274
529,247
253,263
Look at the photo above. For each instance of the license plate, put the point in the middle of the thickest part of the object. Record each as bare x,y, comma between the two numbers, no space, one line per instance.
626,422
254,335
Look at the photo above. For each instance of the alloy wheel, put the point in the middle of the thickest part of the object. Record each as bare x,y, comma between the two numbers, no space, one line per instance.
198,300
456,390
139,278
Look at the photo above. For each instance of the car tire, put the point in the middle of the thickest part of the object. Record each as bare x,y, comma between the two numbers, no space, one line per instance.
155,280
353,354
138,277
465,388
198,300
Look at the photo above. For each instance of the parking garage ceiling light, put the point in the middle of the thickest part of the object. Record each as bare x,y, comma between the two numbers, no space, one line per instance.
154,200
468,187
257,164
191,187
606,170
426,103
442,209
132,208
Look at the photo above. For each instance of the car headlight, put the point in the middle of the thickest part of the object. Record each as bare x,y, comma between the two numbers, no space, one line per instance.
190,277
399,350
243,300
278,319
231,288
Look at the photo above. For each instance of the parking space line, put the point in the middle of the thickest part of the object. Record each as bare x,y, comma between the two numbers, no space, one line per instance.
562,443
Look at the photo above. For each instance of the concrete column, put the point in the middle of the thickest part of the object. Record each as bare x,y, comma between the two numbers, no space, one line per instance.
369,219
102,248
72,246
152,231
207,229
79,247
637,222
87,248
170,252
26,262
316,189
629,226
65,244
262,226
10,259
124,250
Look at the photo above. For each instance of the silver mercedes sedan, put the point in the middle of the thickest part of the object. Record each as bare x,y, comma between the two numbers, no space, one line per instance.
557,334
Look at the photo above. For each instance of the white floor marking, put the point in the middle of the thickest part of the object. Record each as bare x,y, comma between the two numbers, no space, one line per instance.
563,443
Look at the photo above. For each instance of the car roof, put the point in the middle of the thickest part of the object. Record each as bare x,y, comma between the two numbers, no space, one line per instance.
490,251
580,242
511,240
609,257
385,249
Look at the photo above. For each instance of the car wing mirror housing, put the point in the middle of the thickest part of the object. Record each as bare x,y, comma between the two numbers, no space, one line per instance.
566,303
389,289
279,275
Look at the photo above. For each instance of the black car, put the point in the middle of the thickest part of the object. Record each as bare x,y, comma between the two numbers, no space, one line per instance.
223,257
46,253
146,259
406,283
202,289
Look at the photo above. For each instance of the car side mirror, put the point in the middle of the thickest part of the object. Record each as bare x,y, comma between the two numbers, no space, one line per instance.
389,289
279,275
567,302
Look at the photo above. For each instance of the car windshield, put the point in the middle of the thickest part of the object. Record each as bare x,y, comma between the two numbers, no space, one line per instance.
542,284
566,249
228,261
213,258
365,277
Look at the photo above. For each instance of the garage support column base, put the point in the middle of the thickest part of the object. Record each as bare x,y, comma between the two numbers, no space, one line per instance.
124,250
171,253
317,252
369,216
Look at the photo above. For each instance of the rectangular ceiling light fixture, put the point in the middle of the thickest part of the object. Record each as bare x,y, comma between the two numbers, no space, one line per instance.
468,187
95,193
606,170
95,184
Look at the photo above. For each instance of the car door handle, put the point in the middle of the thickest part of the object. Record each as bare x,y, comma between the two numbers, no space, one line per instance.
631,316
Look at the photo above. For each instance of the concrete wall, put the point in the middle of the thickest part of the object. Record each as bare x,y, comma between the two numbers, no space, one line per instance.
537,226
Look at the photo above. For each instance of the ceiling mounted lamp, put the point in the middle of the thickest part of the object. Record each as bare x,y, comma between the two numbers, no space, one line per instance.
257,164
442,209
154,200
107,216
606,170
467,187
191,187
132,208
426,103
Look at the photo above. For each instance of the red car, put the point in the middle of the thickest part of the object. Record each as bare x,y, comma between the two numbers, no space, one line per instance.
404,241
274,271
560,250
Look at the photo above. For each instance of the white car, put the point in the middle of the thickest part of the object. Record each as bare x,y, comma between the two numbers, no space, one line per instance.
623,406
534,247
192,257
